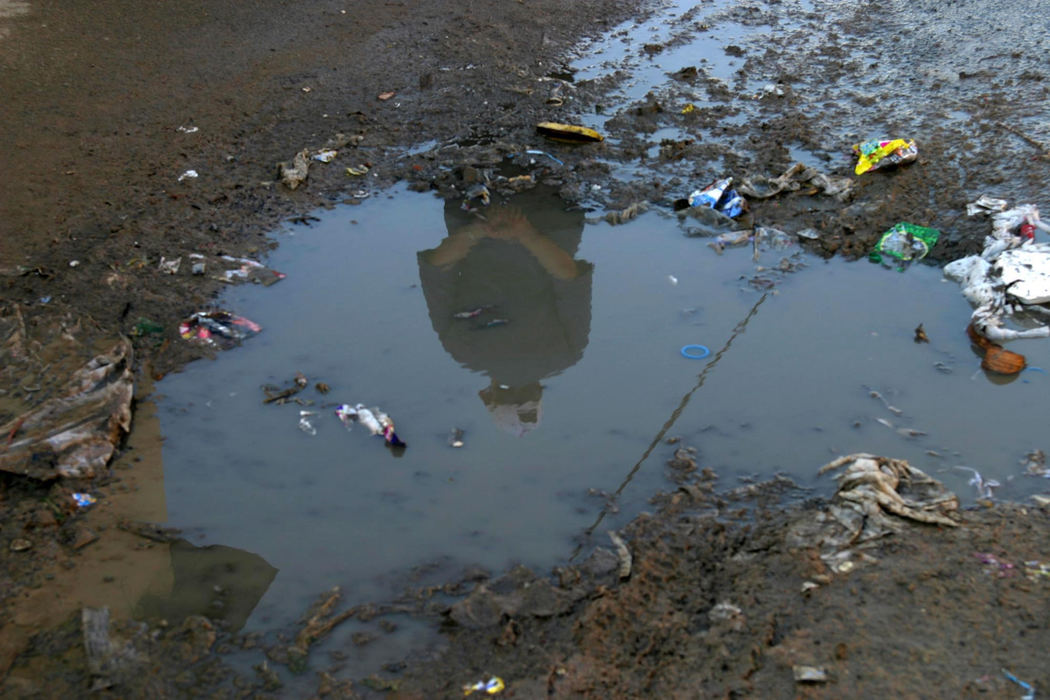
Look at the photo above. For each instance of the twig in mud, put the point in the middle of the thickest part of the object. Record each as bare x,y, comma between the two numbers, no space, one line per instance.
1026,138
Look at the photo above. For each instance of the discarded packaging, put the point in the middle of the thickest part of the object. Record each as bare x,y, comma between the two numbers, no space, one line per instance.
219,328
792,180
83,500
189,175
985,205
568,133
492,686
720,197
1030,695
169,266
293,174
905,242
984,486
455,438
876,484
879,154
809,674
75,434
326,155
374,420
477,194
1011,276
306,422
251,271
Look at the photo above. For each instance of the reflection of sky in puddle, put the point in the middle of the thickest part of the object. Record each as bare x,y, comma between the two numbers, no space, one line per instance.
340,509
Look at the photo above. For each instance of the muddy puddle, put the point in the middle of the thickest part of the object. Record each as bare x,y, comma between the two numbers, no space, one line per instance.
564,390
551,344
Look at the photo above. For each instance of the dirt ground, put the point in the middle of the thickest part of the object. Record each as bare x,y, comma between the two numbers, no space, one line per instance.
109,105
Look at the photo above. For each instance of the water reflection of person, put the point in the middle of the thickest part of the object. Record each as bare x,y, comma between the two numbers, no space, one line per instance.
507,298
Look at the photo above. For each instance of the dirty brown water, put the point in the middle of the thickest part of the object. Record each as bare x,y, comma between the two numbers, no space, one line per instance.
792,391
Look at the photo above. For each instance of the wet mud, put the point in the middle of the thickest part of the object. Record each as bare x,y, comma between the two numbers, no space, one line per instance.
111,107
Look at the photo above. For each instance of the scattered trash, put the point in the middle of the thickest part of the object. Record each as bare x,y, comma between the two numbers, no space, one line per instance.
326,155
879,154
189,174
996,358
455,438
792,180
809,674
984,487
376,421
536,152
360,170
76,433
1030,695
305,422
673,280
876,484
45,299
994,564
169,266
568,133
906,242
219,328
695,352
472,313
985,205
251,270
146,327
188,129
293,175
477,193
719,197
492,324
322,388
920,334
1034,464
729,240
198,266
83,500
492,686
384,96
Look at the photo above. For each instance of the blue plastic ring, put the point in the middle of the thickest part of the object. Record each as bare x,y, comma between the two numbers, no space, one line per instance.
688,350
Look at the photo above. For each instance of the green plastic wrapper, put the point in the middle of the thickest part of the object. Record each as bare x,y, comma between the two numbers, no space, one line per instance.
905,242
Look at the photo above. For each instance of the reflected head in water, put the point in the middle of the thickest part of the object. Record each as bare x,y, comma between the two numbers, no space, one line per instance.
508,298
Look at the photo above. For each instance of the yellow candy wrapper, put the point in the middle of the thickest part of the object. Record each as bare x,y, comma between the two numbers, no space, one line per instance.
878,153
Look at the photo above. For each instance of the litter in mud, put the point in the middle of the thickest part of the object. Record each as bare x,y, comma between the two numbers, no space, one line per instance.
905,242
249,270
720,197
169,266
359,170
695,352
477,194
492,686
1034,464
984,486
880,154
188,129
306,422
144,326
83,500
1010,277
568,133
624,555
1030,695
374,420
985,205
793,180
326,155
76,434
809,674
455,438
218,328
189,175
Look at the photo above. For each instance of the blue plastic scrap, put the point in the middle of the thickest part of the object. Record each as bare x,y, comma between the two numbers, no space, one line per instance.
1030,695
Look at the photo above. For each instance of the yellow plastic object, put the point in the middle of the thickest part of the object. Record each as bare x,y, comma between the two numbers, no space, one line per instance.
872,155
569,133
492,686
